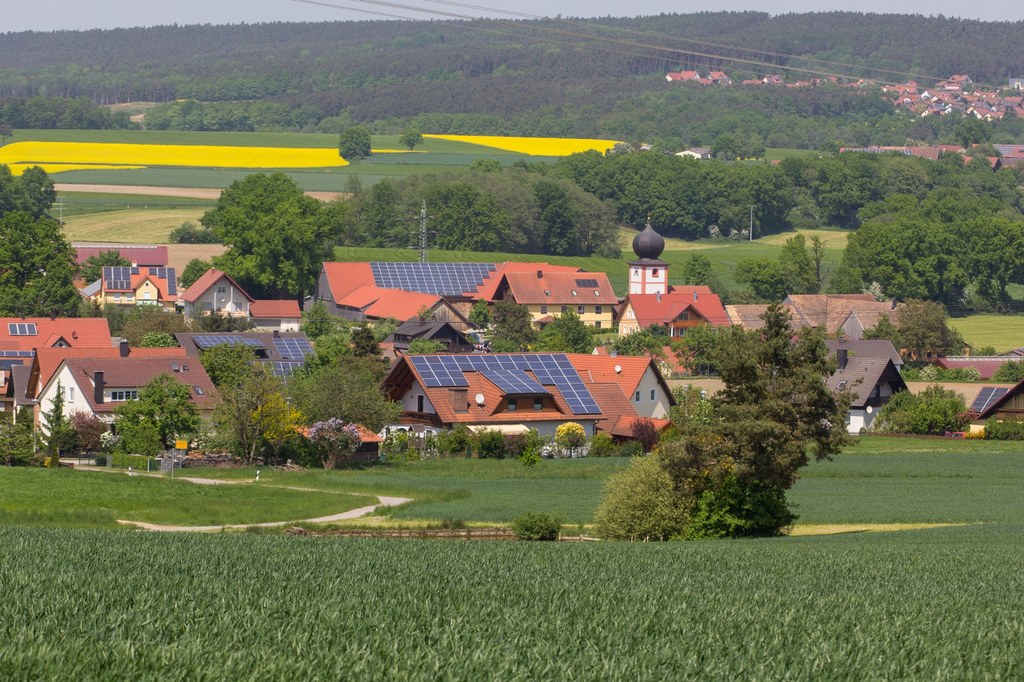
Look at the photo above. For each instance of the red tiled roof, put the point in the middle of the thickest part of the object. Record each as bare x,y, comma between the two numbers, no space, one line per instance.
48,360
489,289
624,425
344,278
138,280
601,369
664,308
207,280
77,332
135,373
288,309
558,288
986,366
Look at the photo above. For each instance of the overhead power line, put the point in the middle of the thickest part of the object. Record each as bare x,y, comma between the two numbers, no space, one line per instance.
625,47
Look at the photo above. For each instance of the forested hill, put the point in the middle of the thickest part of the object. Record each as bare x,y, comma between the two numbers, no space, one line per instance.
597,77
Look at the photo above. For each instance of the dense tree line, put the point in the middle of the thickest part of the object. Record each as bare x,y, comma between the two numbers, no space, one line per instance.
485,208
79,113
468,77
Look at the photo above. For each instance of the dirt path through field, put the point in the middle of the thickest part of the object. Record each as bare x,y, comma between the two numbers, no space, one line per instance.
177,192
383,501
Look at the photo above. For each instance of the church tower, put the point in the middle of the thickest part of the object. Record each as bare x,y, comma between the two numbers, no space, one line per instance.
648,274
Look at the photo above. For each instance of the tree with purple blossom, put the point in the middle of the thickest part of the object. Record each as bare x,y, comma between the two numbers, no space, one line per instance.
335,440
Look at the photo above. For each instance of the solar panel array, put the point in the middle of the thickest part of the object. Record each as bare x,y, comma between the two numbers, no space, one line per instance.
17,353
118,277
171,277
987,396
284,369
592,283
211,340
444,279
293,348
22,328
551,369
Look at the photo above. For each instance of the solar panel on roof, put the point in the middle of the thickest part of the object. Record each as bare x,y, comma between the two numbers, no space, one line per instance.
17,353
986,397
284,369
550,369
211,340
586,283
293,348
22,328
449,279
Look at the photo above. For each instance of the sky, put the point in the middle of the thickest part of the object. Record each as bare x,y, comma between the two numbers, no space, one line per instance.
51,15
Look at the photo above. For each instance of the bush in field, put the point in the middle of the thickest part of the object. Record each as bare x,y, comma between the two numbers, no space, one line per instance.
639,504
1006,429
537,526
490,445
603,445
455,443
734,508
934,411
335,440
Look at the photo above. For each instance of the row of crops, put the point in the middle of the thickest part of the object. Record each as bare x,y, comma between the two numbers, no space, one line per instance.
92,604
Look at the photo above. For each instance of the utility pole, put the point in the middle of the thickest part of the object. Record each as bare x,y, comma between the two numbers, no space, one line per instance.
751,223
423,232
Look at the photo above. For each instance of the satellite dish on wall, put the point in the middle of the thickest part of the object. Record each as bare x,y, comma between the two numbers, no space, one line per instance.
618,369
869,409
479,398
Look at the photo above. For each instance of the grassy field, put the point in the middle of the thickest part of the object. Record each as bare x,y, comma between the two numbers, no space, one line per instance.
1005,332
147,225
67,498
932,604
938,603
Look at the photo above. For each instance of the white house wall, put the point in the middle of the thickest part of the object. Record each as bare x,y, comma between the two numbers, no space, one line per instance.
658,408
72,403
410,401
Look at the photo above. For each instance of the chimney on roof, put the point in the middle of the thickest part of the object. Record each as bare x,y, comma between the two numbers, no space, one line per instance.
540,274
277,333
658,296
53,315
98,385
122,348
843,356
694,295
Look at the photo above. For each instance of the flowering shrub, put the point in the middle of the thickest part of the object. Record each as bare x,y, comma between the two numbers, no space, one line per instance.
570,436
335,440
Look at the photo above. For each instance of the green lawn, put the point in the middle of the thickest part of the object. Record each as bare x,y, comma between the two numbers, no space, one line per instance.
1005,332
42,497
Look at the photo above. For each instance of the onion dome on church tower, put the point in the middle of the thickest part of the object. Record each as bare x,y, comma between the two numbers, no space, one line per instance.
648,245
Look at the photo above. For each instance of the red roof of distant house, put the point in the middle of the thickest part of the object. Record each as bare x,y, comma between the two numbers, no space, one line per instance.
135,373
141,255
624,425
42,332
489,289
207,280
152,274
664,308
561,288
48,360
288,310
986,365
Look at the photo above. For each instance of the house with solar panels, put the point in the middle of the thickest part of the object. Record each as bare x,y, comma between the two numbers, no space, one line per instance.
283,353
998,402
130,286
516,392
448,291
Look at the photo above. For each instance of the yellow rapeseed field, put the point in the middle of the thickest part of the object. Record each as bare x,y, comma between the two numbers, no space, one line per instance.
536,146
193,156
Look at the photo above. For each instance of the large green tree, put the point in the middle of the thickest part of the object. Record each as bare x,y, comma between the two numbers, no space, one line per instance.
164,404
354,143
37,267
512,327
729,476
348,389
92,269
277,237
